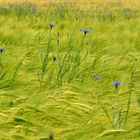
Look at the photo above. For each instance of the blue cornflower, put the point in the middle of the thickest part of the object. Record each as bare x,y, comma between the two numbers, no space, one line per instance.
2,49
85,31
96,77
116,84
110,15
51,26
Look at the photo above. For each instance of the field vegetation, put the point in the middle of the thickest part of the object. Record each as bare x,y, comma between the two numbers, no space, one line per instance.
70,70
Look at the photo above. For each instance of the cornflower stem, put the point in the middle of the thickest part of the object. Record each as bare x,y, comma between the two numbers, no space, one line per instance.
45,59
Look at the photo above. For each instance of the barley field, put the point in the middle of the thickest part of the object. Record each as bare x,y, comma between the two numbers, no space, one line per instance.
70,70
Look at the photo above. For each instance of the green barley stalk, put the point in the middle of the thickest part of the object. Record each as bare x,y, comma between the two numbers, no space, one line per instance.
105,110
77,60
133,69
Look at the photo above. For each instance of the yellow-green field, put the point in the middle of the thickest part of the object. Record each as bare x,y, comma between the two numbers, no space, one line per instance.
70,70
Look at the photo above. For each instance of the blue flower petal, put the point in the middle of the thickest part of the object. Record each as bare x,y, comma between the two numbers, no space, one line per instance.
85,31
116,83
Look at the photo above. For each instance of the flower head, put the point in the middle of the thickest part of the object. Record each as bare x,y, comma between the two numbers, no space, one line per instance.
85,31
116,84
2,49
96,77
51,26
